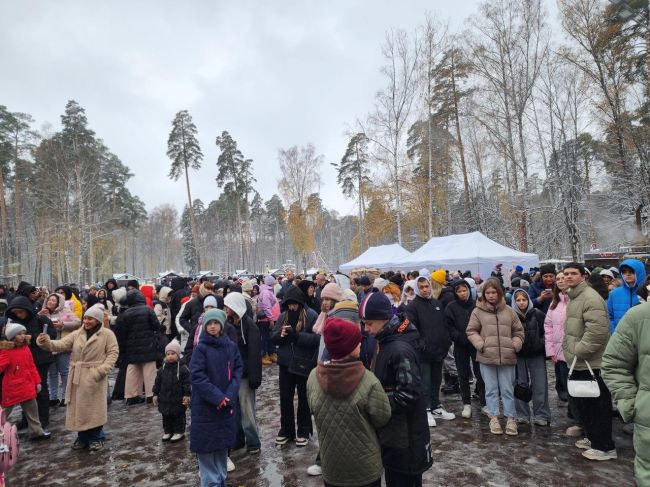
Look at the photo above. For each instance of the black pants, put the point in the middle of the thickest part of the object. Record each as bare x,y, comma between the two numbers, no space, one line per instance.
561,375
43,397
174,423
376,483
595,413
288,384
464,358
120,382
396,479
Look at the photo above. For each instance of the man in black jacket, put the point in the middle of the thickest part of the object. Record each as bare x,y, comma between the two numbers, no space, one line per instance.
141,339
405,441
249,344
21,311
428,317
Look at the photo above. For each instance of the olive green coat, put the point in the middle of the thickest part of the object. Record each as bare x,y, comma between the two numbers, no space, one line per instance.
349,447
626,371
586,329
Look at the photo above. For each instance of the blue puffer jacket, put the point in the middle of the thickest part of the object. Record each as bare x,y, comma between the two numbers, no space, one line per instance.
215,371
623,298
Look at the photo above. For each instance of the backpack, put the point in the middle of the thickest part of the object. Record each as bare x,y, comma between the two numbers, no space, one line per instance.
9,446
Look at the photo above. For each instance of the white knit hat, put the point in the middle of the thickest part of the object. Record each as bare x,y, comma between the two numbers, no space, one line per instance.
96,311
12,329
236,302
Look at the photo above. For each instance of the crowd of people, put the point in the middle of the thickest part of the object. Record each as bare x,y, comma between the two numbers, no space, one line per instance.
370,365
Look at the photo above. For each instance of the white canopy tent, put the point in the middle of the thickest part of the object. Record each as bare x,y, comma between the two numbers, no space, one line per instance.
466,251
380,257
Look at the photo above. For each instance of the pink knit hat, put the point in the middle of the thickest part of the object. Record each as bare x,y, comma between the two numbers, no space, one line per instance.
332,291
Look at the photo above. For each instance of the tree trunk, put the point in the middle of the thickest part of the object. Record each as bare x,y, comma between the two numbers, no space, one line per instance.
4,228
461,146
18,217
192,221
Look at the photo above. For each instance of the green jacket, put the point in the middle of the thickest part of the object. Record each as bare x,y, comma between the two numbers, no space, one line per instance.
349,404
626,371
586,329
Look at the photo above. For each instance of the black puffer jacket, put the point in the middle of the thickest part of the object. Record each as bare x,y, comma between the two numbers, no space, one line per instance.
296,346
193,310
405,441
34,324
446,296
534,343
138,331
249,344
429,319
179,291
171,385
457,315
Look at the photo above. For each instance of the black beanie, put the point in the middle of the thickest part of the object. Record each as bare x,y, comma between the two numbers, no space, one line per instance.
547,269
376,306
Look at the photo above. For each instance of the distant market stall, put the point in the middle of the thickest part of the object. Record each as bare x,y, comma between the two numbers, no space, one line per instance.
466,251
382,257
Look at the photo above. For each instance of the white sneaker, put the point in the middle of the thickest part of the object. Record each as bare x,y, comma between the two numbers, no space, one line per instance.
177,437
314,471
485,411
231,466
430,419
593,454
467,411
166,437
440,413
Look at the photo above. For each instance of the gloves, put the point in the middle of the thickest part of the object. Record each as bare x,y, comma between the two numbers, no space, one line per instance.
155,400
38,388
186,401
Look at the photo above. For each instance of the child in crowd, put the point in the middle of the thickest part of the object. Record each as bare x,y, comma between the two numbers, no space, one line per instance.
20,382
216,371
171,393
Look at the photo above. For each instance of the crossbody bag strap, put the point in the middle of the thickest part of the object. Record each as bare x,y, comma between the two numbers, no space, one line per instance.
590,371
573,364
588,366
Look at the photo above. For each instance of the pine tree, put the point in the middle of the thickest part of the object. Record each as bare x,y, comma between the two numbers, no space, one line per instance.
184,151
233,168
353,173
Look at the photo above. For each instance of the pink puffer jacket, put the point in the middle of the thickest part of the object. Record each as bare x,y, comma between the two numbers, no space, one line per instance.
554,328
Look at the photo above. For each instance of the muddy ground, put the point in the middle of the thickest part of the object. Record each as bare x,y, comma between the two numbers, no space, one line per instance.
464,450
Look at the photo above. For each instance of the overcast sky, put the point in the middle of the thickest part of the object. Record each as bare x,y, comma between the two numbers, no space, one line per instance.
272,73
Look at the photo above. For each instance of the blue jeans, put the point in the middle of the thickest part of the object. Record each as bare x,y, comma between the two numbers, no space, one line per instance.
245,418
499,382
91,435
58,368
538,383
213,468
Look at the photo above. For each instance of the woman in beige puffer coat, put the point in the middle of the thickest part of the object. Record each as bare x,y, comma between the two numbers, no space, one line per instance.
497,334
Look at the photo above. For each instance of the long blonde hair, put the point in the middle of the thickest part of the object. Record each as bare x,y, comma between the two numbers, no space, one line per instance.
436,289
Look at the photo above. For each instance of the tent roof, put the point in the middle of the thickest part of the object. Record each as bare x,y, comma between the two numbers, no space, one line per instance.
466,251
381,257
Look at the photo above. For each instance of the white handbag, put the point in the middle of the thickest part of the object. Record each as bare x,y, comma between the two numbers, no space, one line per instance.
583,388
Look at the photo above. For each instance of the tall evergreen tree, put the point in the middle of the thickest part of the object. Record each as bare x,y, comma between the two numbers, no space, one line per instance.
234,169
184,151
352,173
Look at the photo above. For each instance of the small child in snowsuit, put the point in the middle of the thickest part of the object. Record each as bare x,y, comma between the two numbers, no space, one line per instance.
21,382
171,392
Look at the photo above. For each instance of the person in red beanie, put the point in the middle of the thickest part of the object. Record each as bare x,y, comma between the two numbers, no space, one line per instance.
350,449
